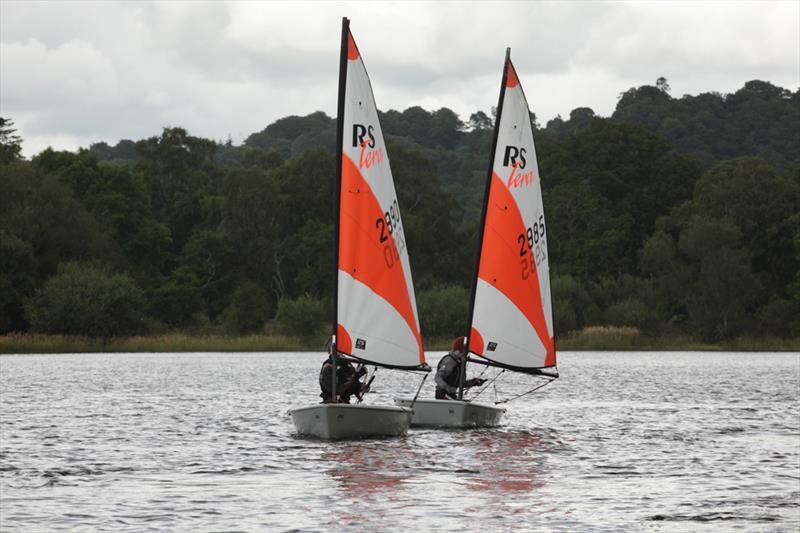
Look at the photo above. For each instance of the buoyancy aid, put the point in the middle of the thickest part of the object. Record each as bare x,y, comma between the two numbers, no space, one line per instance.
452,378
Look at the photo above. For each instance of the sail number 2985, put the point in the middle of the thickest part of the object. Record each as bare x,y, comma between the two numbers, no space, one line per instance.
389,224
533,240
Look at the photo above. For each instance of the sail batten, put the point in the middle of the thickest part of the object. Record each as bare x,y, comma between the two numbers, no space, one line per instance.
511,320
376,310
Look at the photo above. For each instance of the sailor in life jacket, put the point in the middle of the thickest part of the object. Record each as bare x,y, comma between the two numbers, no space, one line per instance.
348,379
449,370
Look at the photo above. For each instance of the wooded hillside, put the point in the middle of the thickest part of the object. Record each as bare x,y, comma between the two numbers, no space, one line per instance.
673,216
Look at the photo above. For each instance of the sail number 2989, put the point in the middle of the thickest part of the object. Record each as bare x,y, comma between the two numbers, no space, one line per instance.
389,224
533,240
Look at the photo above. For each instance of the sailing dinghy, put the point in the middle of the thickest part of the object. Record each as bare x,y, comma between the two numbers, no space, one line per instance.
510,324
375,312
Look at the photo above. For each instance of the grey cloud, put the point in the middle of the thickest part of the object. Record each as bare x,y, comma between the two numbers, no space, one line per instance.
107,70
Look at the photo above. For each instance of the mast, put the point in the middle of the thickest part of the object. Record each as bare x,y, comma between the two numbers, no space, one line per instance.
463,374
337,198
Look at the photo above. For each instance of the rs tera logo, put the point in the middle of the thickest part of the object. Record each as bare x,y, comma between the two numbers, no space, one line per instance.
359,132
516,156
364,136
512,154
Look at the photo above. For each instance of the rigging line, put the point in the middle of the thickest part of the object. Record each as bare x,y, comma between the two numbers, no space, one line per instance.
425,377
368,383
525,393
487,385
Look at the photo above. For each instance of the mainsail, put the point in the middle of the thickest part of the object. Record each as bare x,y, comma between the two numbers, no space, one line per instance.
376,311
511,318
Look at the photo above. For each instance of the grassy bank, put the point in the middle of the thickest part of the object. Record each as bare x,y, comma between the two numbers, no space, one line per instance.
174,342
626,338
593,338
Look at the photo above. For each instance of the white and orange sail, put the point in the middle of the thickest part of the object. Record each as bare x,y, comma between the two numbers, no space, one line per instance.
376,310
511,318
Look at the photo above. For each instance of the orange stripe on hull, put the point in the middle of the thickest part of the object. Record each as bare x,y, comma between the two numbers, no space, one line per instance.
502,265
362,255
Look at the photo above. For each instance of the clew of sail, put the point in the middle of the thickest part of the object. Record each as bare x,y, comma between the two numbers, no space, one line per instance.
511,316
376,308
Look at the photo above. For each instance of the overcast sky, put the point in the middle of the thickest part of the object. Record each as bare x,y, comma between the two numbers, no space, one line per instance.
74,73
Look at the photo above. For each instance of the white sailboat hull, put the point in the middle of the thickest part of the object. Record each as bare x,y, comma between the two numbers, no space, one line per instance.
345,421
452,413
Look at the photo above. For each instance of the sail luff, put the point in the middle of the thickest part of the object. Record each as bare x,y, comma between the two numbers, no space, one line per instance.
471,312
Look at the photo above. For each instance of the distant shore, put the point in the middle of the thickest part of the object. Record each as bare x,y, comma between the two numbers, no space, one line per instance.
589,339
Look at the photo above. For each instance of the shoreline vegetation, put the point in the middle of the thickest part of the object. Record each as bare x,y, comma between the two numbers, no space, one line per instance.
595,338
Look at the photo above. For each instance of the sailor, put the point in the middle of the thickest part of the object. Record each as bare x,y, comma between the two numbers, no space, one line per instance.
348,379
449,370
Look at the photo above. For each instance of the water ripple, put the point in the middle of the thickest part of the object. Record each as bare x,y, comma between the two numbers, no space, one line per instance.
634,441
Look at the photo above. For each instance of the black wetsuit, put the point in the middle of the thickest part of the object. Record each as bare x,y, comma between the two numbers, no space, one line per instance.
347,381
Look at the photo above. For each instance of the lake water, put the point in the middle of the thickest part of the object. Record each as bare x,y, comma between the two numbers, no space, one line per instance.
203,442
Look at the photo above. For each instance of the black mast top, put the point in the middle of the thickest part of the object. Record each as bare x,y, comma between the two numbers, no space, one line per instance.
462,377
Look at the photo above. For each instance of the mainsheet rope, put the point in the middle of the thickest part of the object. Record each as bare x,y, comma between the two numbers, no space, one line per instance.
525,393
487,385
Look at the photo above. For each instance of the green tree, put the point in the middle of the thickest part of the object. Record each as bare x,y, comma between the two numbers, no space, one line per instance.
480,121
10,143
17,280
572,306
291,136
207,262
764,206
722,287
178,302
83,299
249,309
443,311
604,187
759,119
120,204
179,171
443,256
40,209
251,222
302,317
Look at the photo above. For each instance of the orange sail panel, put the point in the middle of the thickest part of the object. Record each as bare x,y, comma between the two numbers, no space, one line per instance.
512,320
376,307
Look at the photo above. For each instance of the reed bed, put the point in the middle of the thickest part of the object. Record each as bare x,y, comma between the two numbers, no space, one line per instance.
627,338
588,339
173,342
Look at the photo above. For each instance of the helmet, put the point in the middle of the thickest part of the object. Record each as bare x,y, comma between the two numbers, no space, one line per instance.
459,344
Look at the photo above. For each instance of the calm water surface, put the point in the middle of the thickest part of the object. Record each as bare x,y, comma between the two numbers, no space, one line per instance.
202,442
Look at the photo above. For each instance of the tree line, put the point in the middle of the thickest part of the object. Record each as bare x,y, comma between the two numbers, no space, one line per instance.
673,216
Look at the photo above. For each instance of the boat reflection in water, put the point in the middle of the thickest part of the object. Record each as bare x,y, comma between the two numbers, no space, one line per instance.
370,469
509,462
